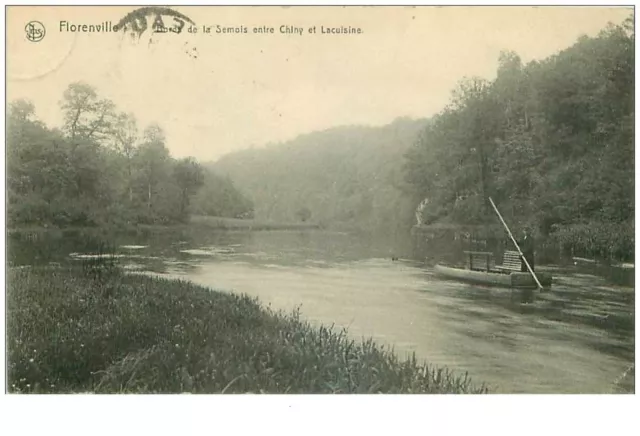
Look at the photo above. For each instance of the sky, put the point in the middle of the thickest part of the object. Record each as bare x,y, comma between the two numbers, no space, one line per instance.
215,93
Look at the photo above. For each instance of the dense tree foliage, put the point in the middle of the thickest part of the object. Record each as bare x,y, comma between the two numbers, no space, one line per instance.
219,197
345,176
552,142
98,169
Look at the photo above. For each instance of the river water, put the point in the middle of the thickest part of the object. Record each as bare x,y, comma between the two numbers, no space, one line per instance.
577,338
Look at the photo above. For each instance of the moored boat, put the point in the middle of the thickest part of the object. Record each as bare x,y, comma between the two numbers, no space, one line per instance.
516,271
508,279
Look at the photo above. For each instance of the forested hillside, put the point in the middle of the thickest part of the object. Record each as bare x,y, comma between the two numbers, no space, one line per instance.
99,169
552,142
346,176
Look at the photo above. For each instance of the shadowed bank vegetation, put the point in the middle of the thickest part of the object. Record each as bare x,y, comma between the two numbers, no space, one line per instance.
551,141
99,330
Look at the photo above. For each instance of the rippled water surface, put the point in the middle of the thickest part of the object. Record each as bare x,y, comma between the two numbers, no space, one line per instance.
578,338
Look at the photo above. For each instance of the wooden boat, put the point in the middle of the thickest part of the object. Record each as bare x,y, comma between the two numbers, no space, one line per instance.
481,269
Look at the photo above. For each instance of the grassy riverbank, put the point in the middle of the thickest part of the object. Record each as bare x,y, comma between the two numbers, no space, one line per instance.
95,329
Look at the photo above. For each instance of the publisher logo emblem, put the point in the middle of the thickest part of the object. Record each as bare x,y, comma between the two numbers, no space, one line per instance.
35,31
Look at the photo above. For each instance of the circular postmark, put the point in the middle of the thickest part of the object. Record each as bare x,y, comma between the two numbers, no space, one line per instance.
136,22
35,31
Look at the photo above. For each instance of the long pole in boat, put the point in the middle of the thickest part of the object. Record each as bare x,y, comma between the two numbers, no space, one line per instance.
516,244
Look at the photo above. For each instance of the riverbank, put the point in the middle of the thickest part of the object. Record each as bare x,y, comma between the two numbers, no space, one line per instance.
197,221
210,222
242,224
95,329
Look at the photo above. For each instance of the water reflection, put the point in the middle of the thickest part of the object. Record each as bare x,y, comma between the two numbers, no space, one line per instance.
577,338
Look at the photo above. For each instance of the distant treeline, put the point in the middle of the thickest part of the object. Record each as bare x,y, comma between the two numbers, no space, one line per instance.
98,169
344,177
552,142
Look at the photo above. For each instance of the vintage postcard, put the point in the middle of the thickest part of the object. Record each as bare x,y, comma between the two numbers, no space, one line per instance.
320,200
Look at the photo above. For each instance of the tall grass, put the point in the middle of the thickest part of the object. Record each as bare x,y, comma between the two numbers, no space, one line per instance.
71,330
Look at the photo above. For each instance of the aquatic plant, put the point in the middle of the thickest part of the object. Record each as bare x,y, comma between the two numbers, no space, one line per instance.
69,330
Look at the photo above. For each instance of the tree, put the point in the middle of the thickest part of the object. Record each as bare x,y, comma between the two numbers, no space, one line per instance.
153,133
451,163
189,177
347,176
43,176
219,197
152,164
125,136
553,142
93,172
86,115
511,91
21,111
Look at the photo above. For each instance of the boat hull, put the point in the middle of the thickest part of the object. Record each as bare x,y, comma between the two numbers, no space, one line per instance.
494,278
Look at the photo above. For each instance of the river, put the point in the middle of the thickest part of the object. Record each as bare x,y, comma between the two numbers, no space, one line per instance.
577,338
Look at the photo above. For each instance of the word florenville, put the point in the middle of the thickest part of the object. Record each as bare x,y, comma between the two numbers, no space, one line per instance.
104,27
